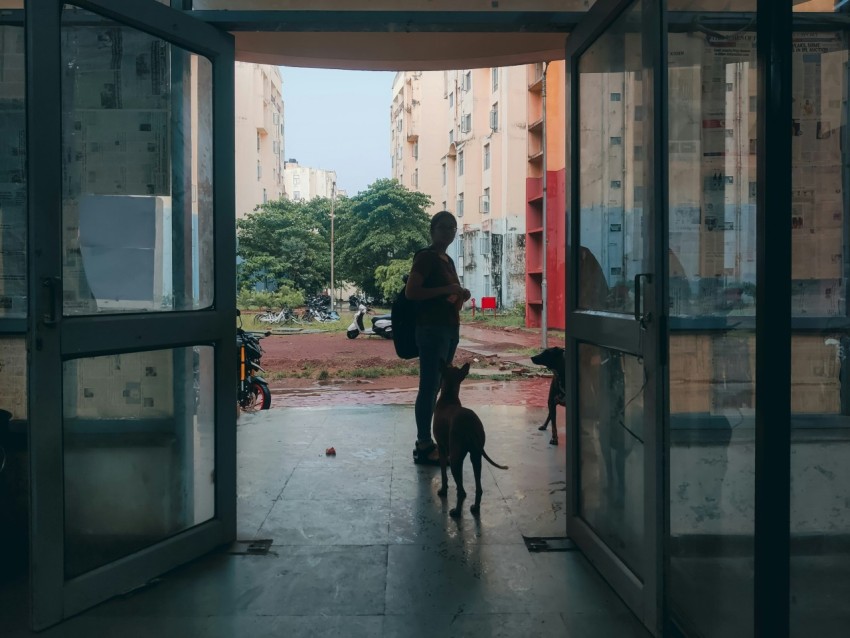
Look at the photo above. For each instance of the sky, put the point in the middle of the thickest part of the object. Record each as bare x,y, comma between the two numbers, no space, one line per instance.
339,121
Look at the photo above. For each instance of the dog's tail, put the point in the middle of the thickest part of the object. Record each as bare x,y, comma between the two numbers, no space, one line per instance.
492,462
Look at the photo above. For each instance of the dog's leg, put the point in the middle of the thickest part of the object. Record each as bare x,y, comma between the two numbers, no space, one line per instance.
553,411
444,453
475,458
457,473
546,422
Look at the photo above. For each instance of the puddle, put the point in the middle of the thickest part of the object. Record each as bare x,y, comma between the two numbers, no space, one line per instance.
531,392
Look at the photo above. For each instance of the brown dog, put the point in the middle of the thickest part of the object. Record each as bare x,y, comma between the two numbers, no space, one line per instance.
458,431
553,358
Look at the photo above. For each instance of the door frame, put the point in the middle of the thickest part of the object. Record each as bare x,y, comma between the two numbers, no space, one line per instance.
53,339
643,595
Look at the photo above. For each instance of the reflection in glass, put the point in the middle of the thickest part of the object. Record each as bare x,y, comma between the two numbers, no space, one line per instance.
712,142
712,457
139,451
13,175
712,173
611,403
612,151
137,168
13,376
820,402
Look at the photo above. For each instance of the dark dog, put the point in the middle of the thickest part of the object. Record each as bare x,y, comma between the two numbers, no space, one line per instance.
458,431
553,358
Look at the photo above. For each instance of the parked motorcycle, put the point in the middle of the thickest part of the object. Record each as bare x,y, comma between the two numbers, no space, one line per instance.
382,325
253,391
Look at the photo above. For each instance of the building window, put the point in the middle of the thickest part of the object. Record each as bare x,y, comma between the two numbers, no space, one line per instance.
416,150
495,79
259,171
486,157
615,97
485,201
451,99
296,179
415,178
444,206
296,195
444,179
452,136
494,117
638,153
460,204
460,163
616,141
265,196
466,123
467,81
275,119
258,141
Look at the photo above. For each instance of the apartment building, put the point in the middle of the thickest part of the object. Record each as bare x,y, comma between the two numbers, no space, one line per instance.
460,137
259,135
546,221
303,183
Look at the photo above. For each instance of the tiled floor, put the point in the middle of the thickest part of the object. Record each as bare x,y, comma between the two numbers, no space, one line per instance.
363,546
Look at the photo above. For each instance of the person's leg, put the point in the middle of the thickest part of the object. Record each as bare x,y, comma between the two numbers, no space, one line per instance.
437,344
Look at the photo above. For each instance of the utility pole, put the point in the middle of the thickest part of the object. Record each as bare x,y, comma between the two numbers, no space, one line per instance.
333,196
544,320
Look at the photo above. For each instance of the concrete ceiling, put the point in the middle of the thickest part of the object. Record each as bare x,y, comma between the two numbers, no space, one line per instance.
398,51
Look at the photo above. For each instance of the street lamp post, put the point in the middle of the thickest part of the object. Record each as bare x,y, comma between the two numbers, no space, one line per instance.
333,193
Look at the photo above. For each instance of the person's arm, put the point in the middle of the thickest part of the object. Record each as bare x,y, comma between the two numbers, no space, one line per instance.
414,289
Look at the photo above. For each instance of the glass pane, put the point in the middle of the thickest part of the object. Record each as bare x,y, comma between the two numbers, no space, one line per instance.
611,400
13,175
613,189
712,464
820,403
139,451
712,172
713,91
14,466
137,139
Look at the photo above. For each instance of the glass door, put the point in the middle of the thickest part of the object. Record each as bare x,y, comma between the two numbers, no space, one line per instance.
615,314
132,297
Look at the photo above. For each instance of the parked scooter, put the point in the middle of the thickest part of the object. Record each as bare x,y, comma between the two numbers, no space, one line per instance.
382,325
252,391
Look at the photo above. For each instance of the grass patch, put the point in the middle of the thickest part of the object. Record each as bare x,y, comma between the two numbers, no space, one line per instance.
374,372
378,372
526,351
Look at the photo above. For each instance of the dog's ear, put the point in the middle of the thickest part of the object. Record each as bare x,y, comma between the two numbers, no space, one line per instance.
465,369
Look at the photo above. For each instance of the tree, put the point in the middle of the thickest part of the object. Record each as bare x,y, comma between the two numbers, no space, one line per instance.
388,279
286,243
385,222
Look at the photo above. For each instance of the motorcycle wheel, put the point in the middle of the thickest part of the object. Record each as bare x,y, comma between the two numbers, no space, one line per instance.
352,334
259,397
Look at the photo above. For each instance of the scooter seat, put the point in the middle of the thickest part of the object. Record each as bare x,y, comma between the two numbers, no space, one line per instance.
381,317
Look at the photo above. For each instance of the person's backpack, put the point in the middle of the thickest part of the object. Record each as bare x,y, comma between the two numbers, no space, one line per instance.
403,313
403,317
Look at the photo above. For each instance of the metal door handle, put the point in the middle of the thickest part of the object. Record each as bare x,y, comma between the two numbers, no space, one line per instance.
54,300
639,316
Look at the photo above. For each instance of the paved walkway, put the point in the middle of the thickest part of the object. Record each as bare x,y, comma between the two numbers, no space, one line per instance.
362,546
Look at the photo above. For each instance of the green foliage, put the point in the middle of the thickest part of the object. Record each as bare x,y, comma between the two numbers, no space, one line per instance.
385,222
283,296
388,279
286,243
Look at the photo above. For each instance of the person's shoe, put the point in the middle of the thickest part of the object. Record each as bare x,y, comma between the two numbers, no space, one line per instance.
426,453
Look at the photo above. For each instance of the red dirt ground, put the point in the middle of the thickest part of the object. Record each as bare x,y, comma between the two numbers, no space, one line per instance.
310,353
